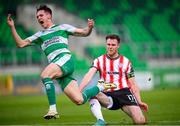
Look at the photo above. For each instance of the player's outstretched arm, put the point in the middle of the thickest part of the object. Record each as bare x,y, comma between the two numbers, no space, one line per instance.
85,31
19,42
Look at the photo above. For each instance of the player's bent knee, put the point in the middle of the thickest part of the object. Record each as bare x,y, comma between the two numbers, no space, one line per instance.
78,101
45,75
140,121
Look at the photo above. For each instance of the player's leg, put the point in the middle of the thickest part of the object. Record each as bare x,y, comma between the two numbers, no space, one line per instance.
130,106
71,89
135,113
105,100
95,108
50,72
93,91
73,92
53,71
101,100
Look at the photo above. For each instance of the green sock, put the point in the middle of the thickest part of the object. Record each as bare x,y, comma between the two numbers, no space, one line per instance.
50,90
88,93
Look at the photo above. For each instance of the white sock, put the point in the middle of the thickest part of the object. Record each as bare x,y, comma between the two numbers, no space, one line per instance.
96,109
52,107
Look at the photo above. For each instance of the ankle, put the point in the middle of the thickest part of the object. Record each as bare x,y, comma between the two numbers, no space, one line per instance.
52,107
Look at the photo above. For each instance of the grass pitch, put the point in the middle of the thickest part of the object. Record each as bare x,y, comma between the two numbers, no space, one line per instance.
164,109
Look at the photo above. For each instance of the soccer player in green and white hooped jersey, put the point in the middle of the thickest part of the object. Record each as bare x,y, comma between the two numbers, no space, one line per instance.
54,42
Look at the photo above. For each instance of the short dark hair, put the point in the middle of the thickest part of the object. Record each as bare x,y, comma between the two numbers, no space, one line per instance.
113,36
45,8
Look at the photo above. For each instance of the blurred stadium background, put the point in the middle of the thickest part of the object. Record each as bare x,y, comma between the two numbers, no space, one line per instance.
149,30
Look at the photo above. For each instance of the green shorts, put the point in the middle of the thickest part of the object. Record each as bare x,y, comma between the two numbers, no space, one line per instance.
66,63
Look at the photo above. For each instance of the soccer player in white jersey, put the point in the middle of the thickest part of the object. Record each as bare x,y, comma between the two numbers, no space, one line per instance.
115,68
53,40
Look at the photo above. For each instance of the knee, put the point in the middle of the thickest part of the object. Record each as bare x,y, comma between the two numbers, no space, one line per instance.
78,101
140,121
45,75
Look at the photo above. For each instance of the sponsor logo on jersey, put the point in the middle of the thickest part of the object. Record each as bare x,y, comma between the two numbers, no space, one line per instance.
112,72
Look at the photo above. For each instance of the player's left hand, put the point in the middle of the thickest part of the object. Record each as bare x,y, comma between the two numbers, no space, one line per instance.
90,23
143,106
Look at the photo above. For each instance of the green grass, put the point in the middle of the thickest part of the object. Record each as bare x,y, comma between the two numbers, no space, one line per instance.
164,109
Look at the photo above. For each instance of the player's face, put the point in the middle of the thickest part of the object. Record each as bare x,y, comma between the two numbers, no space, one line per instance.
112,47
43,18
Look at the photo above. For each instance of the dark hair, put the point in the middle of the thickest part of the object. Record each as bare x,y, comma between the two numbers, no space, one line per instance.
45,8
113,36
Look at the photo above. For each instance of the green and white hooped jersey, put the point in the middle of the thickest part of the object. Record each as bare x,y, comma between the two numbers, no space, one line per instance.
54,40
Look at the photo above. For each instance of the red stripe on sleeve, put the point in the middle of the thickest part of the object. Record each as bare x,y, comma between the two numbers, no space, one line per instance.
98,68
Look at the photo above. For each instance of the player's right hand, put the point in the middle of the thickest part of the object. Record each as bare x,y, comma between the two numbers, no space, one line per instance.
10,20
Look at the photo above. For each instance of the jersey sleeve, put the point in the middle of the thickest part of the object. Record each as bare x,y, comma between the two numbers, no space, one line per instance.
95,64
34,38
130,70
69,28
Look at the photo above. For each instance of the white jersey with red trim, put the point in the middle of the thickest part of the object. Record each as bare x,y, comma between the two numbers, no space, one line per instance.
116,70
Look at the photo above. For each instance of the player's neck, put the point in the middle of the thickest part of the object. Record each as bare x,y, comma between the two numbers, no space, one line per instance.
49,25
52,25
113,56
